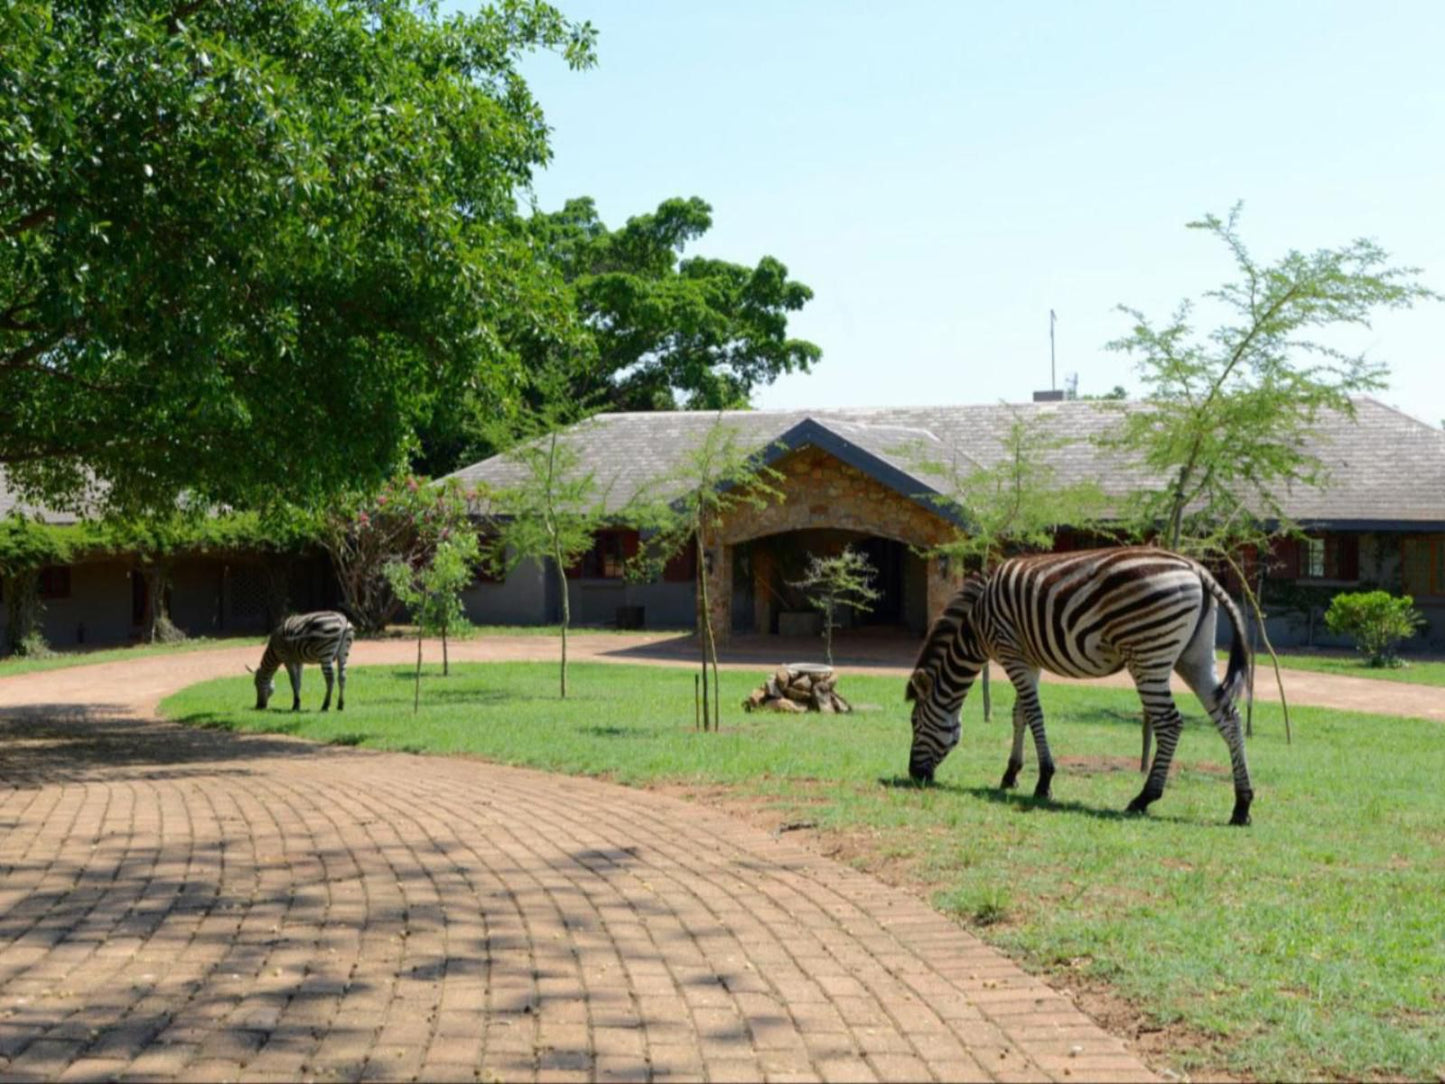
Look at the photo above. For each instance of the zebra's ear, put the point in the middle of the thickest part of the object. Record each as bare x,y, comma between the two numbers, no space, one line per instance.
919,685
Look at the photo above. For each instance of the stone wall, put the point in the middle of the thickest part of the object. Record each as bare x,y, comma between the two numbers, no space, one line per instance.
818,491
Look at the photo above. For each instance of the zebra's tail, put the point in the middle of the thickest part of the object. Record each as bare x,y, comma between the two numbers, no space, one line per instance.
1237,673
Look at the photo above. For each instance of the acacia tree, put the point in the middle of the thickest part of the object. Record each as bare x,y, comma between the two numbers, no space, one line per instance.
1014,504
715,477
431,591
1227,414
829,583
256,240
552,509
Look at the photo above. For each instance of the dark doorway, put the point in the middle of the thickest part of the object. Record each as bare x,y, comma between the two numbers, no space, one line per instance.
769,567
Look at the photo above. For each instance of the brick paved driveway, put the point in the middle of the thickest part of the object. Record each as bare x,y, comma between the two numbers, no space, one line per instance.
179,904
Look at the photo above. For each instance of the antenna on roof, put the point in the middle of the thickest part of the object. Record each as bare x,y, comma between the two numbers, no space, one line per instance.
1053,384
1053,395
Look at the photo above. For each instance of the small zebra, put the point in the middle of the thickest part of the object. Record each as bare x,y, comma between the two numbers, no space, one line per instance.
1083,615
323,637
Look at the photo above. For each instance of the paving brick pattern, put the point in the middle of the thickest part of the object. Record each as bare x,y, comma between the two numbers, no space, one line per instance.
184,905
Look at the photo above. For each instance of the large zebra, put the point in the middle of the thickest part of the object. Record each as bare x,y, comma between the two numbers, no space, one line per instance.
323,637
1084,614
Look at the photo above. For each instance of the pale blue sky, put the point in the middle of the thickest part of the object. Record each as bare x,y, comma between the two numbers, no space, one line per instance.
942,174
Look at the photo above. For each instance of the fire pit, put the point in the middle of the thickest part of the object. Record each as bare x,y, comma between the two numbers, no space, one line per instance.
798,687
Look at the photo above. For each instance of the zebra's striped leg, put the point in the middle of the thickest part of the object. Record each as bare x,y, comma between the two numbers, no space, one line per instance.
1026,685
1233,735
1198,673
293,671
1166,722
1016,755
341,682
330,677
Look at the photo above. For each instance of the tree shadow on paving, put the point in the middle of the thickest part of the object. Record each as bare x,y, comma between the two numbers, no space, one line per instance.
43,744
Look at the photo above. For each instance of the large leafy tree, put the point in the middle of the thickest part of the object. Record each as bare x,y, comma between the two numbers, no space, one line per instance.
636,326
257,242
670,331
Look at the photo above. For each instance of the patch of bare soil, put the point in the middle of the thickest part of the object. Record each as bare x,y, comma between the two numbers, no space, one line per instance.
1159,1045
1101,765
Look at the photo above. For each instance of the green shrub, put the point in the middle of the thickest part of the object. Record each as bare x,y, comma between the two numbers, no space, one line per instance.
1376,621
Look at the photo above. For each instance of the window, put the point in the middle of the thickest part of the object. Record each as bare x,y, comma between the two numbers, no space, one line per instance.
608,557
1424,565
54,583
1328,557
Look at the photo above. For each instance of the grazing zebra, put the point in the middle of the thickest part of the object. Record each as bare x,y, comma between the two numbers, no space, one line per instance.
324,637
1085,614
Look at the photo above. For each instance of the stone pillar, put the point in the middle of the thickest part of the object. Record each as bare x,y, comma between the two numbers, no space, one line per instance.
943,584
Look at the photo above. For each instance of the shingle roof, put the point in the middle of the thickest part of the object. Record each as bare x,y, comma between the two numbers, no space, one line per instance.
1385,467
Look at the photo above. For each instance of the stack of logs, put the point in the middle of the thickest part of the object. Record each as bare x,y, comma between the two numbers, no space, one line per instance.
798,687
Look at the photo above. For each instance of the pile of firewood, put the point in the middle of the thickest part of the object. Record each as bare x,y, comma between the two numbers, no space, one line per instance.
798,687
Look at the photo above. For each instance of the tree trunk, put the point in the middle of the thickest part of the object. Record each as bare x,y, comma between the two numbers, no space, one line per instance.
705,623
159,628
566,610
446,662
416,696
23,611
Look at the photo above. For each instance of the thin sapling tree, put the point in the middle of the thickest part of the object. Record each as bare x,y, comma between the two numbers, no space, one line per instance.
831,583
1014,504
715,477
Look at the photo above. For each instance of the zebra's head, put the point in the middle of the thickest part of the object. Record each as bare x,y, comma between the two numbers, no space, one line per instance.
947,667
265,686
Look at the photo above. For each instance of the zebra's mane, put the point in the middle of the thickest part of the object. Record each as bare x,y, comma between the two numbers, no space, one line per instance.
947,627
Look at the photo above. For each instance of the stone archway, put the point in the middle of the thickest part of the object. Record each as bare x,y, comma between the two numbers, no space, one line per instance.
820,492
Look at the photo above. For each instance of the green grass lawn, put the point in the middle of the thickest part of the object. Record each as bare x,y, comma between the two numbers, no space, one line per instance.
88,657
1310,945
1416,671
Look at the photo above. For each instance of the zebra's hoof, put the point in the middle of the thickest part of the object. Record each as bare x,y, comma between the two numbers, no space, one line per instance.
1008,782
1139,806
1043,794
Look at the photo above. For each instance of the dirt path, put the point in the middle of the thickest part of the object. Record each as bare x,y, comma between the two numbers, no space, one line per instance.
178,904
141,688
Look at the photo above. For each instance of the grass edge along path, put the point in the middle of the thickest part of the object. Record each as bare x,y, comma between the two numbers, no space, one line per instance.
1414,671
64,659
1307,946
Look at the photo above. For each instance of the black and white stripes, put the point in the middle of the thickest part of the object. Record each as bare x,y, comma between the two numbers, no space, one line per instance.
323,637
1083,615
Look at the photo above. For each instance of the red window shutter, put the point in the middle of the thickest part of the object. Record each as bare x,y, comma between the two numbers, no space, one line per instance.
1346,563
1284,559
682,568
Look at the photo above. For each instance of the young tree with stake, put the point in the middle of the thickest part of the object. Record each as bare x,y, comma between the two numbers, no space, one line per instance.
1227,414
715,477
